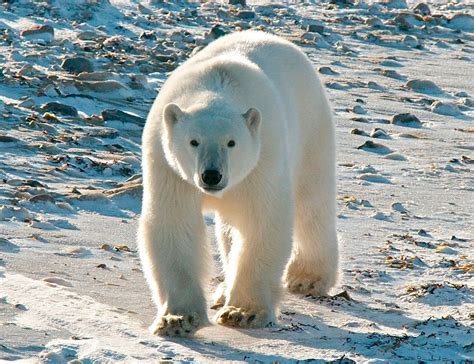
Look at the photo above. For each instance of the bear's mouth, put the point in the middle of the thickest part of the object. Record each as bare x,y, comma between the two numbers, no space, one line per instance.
212,188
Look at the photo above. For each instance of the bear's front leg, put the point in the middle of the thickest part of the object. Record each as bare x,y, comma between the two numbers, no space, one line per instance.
257,260
174,256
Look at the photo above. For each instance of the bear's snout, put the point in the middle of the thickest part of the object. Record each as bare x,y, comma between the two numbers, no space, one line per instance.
211,178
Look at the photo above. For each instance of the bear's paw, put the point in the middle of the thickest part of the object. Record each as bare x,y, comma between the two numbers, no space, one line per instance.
175,325
244,318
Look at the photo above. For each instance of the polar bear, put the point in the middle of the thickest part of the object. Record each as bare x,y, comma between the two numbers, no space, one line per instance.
244,129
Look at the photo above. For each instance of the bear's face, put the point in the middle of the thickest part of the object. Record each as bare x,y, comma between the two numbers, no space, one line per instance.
210,150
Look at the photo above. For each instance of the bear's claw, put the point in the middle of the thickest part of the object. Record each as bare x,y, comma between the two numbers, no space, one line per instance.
175,325
239,317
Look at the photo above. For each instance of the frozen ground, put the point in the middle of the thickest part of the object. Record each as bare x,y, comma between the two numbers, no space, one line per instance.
70,280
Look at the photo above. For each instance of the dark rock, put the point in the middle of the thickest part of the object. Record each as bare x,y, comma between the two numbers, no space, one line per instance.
238,2
315,28
406,119
246,14
57,107
114,114
77,65
217,31
422,9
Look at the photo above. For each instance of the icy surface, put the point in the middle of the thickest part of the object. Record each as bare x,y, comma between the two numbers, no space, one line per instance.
401,84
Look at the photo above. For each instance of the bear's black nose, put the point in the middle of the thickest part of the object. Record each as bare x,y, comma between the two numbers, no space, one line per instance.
211,177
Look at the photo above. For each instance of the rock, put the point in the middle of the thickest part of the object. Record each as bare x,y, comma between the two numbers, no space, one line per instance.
424,86
395,156
315,28
246,14
216,31
408,20
397,206
411,41
325,70
379,133
358,132
463,21
445,108
392,74
422,9
394,4
77,65
57,107
238,2
99,86
114,114
91,36
370,146
39,32
357,109
406,119
42,198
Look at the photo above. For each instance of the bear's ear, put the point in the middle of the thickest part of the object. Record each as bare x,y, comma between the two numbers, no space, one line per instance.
252,119
171,114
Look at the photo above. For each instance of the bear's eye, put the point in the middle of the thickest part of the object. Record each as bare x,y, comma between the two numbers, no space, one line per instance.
231,144
194,143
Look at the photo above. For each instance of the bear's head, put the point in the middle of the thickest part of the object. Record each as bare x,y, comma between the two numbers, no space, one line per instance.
212,147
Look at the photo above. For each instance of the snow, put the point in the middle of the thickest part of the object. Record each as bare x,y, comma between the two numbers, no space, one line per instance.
71,285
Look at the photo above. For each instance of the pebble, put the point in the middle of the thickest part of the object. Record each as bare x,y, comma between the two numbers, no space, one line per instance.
357,109
395,156
77,65
411,41
394,4
63,109
246,14
424,86
462,21
374,178
114,114
397,206
422,9
371,146
42,198
325,70
39,32
379,133
358,132
315,28
445,108
406,119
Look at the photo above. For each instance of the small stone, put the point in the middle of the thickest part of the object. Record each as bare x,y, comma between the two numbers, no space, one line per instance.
238,2
114,114
39,32
462,21
42,198
422,9
246,14
406,119
77,65
445,108
357,109
325,70
411,41
315,28
394,4
217,31
424,86
379,133
358,132
57,107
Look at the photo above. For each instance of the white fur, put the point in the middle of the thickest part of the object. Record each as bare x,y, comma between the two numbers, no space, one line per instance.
279,183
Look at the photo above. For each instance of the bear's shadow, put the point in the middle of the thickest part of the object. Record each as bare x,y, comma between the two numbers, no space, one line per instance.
298,329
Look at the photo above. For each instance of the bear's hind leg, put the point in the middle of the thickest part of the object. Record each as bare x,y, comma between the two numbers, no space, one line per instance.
313,267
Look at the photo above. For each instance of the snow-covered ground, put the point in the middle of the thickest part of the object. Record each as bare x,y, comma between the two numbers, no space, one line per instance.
401,80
